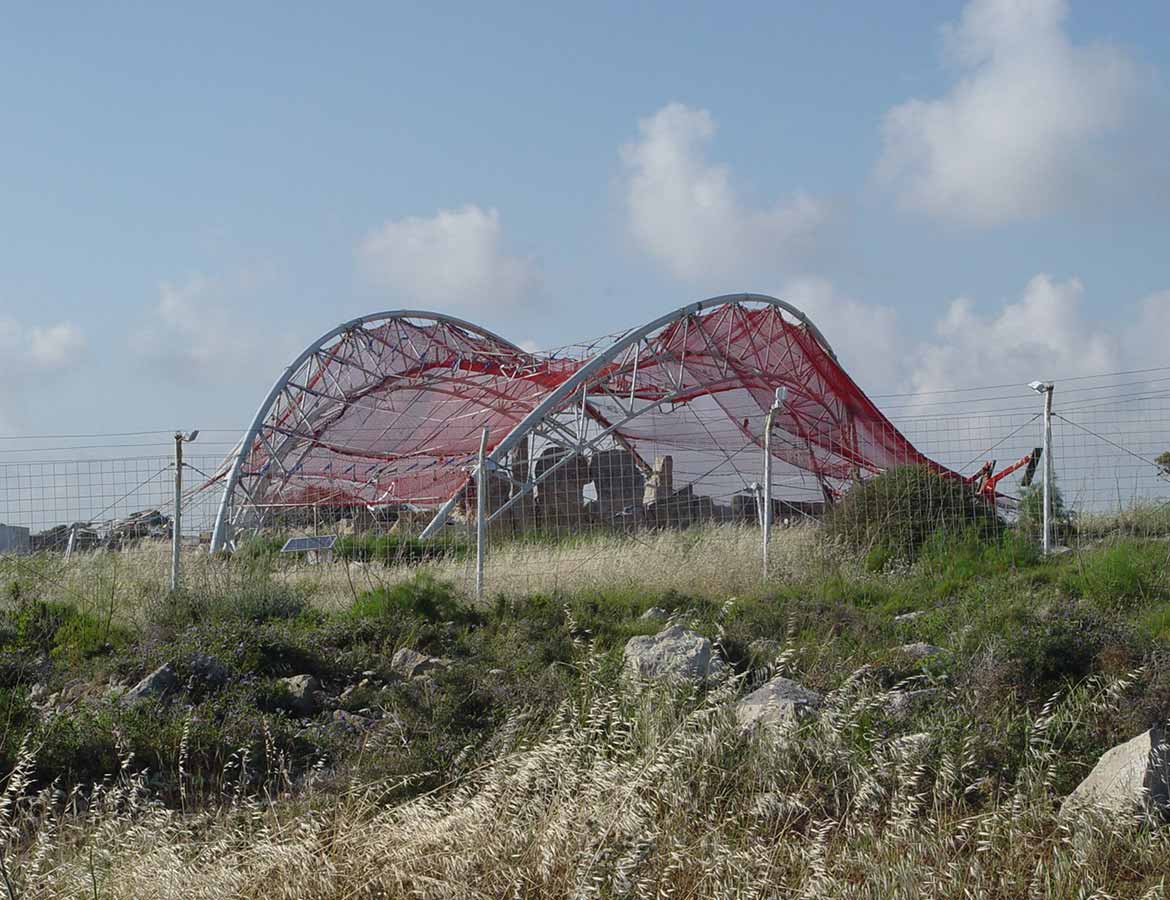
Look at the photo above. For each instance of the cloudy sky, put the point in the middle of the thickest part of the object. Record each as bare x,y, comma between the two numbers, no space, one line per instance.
959,194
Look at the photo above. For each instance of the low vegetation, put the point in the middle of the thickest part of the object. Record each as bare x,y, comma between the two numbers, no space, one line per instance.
524,765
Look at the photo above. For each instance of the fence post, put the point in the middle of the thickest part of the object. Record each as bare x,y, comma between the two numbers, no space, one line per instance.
1048,469
177,519
480,514
1045,388
766,515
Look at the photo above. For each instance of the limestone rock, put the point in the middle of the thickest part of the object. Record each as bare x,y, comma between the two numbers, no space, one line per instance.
159,682
303,694
655,614
559,497
619,483
407,663
352,723
674,652
763,651
907,617
208,671
1131,778
920,650
902,704
348,693
781,702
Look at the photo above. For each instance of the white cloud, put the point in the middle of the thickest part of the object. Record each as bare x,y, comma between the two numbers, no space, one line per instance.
864,336
685,211
1034,125
452,260
38,348
199,331
1044,334
30,356
1144,343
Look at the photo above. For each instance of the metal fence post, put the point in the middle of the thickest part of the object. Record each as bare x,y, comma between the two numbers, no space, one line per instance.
480,514
1045,388
177,519
1048,469
766,514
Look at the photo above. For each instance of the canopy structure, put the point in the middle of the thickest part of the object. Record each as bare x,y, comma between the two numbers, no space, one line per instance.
388,412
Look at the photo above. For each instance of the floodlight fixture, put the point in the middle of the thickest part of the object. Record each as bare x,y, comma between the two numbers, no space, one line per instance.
1040,386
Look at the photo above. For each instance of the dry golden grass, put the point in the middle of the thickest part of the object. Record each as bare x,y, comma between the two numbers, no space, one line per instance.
716,561
626,795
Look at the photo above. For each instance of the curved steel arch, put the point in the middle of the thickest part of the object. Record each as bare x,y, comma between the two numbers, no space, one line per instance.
219,533
559,397
831,392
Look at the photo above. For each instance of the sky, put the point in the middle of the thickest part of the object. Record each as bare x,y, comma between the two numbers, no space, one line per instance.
959,194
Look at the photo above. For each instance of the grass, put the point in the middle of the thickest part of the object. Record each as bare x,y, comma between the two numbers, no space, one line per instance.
632,795
527,767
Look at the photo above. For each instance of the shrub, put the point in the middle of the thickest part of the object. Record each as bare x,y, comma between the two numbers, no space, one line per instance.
1030,516
890,517
1122,576
394,549
58,629
421,597
256,598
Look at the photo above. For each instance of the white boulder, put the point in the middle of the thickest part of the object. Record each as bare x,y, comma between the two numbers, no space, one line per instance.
302,695
780,701
674,653
407,663
161,681
1133,777
920,650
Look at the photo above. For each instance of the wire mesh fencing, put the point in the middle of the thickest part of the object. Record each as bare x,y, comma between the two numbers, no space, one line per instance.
686,511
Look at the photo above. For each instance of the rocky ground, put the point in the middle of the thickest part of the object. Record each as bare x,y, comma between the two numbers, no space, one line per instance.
970,654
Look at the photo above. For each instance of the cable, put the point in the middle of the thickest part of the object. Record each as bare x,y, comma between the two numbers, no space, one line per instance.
101,447
993,387
1000,442
1105,439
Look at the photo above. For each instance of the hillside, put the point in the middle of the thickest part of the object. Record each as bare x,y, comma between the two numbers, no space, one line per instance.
267,733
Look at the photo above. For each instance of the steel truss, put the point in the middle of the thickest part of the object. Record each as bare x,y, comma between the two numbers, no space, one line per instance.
390,408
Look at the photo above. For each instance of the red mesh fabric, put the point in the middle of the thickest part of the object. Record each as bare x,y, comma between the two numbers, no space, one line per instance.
393,412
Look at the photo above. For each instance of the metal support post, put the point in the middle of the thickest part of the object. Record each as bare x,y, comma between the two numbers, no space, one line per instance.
766,514
1045,388
1048,470
177,518
480,513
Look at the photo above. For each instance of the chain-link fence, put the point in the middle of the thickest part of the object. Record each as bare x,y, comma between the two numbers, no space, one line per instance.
681,513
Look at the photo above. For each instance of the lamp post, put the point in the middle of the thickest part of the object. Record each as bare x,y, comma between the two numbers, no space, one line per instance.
481,487
1045,388
766,514
177,520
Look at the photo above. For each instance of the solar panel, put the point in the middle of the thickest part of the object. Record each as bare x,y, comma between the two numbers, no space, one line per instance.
305,544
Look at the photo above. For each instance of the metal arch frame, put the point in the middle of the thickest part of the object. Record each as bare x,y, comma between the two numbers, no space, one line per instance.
219,533
560,396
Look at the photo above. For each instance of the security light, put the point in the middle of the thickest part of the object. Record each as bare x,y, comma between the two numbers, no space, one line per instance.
1040,386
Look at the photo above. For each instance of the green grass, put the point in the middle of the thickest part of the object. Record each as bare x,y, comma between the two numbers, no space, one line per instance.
1018,627
533,684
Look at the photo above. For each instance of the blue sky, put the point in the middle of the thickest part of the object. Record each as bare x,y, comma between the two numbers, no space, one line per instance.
958,194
